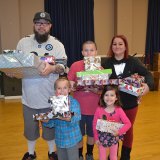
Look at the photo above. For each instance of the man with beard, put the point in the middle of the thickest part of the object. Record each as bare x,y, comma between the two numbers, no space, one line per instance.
36,91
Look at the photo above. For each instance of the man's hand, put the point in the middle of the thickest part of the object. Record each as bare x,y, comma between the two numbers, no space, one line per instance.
58,68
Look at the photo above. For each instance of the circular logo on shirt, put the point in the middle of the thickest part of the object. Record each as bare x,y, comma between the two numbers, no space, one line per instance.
49,47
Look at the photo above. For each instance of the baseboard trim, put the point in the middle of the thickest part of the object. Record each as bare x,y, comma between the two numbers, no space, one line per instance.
12,97
1,96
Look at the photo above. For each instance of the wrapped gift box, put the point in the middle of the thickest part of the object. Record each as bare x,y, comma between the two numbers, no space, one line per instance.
92,63
134,80
132,85
135,91
21,65
52,60
59,108
95,77
108,126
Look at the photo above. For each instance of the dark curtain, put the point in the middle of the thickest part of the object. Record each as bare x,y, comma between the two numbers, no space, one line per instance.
73,24
153,31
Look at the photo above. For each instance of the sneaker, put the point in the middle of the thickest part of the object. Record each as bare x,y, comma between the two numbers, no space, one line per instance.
28,156
81,158
89,157
52,156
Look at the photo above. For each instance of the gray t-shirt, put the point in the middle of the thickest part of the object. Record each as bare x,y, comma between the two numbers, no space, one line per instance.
36,91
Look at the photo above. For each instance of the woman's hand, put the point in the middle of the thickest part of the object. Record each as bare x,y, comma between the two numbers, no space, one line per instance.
146,89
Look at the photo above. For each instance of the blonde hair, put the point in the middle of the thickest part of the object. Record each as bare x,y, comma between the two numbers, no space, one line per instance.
60,80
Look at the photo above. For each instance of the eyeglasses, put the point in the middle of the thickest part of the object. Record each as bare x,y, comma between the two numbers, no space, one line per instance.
41,24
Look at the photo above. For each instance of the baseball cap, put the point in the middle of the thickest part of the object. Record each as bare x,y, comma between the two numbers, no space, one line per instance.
42,15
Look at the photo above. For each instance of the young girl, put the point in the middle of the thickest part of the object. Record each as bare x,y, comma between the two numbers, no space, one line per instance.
67,131
110,109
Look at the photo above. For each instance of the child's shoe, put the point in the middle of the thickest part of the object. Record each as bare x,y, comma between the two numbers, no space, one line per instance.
89,157
28,156
81,158
52,156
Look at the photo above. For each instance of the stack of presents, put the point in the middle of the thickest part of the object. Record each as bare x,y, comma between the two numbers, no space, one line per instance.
29,65
95,76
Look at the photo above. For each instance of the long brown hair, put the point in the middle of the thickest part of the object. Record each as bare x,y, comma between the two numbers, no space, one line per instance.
109,88
110,51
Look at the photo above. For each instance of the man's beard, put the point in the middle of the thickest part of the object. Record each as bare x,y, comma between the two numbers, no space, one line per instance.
41,38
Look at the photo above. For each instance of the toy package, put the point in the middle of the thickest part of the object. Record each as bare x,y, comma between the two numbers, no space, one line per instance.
59,108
